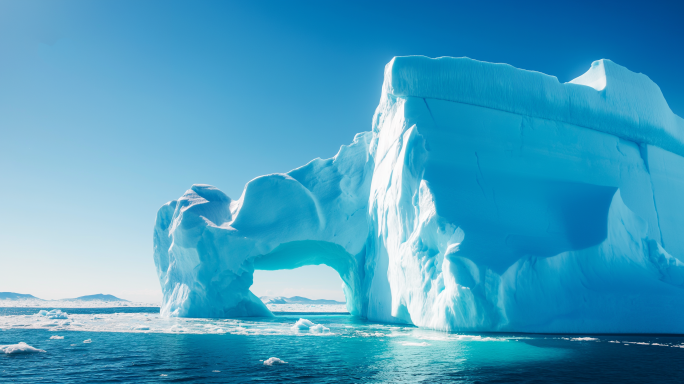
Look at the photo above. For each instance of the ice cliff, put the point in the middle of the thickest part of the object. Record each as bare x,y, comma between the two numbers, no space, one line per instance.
485,198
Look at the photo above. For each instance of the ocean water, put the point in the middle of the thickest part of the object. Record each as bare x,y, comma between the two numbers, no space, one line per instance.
135,345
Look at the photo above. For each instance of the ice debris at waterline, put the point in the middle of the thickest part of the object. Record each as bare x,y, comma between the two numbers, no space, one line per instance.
303,325
19,348
485,198
53,314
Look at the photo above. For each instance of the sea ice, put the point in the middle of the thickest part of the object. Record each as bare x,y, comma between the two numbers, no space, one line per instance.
53,314
484,198
413,344
307,325
55,337
19,348
274,360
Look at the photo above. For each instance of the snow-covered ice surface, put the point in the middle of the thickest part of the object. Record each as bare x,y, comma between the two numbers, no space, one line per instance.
485,198
336,326
71,304
320,308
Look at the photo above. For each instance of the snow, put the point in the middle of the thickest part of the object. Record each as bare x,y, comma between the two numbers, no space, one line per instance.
280,300
19,348
484,198
321,308
38,303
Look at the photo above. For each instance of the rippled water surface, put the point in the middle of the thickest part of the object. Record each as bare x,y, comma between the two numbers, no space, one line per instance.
135,345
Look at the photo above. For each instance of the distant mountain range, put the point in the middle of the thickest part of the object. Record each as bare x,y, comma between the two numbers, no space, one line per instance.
21,296
99,296
16,296
296,300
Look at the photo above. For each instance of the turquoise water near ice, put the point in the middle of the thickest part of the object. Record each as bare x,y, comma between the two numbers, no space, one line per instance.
353,351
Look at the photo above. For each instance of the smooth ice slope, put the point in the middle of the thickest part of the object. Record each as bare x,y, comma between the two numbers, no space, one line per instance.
485,198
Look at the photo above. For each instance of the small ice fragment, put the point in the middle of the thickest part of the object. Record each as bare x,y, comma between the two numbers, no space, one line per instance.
56,337
19,348
308,325
215,371
274,360
87,341
55,314
163,375
319,328
409,344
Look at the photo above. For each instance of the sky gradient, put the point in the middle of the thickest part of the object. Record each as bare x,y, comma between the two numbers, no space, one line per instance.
109,109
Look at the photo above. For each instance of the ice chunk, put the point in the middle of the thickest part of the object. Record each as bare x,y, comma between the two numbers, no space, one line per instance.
307,325
484,198
412,344
274,360
55,337
53,314
19,348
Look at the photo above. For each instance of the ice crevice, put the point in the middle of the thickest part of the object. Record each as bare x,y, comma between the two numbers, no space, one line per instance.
643,152
574,228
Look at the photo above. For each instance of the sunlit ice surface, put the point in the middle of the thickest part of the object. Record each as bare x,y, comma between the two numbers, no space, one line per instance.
138,345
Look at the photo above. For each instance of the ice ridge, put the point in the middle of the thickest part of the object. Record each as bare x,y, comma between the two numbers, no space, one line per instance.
607,98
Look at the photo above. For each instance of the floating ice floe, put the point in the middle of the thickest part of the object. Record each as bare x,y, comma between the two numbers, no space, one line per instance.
410,344
303,325
55,337
38,303
53,314
580,338
19,348
274,360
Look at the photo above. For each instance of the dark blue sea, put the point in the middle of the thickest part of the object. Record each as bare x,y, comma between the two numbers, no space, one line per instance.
135,345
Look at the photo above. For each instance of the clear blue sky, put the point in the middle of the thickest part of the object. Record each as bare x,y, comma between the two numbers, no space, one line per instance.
109,109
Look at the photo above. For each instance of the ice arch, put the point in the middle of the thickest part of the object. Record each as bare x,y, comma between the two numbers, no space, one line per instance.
207,246
484,198
302,253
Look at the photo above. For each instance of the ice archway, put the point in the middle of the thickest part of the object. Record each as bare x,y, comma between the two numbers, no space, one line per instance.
484,198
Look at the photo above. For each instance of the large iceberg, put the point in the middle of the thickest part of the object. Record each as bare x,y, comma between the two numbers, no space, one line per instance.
485,198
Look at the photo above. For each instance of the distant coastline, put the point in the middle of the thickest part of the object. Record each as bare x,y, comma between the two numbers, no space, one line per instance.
297,300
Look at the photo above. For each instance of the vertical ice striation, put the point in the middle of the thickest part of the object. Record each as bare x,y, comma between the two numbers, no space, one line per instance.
485,198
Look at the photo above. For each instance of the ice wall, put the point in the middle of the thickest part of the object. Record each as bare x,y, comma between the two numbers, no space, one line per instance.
485,198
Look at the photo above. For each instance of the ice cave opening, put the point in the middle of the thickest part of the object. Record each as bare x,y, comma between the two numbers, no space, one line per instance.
312,261
313,282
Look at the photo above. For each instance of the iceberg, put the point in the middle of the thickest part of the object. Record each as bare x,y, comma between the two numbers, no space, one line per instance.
484,198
